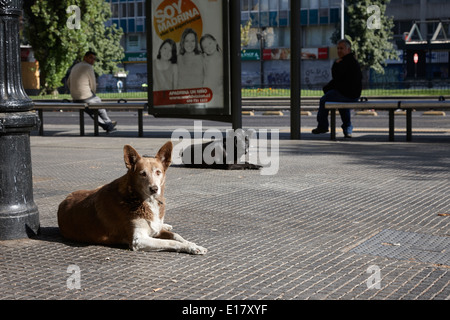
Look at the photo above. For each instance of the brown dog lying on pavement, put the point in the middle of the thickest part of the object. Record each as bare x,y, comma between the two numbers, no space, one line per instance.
129,210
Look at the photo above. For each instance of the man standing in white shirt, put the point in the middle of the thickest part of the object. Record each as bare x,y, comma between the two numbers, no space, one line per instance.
82,85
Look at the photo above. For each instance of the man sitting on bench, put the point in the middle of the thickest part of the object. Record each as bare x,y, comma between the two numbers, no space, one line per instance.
345,86
82,85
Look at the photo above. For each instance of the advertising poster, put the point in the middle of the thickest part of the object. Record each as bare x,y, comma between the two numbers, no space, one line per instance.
189,56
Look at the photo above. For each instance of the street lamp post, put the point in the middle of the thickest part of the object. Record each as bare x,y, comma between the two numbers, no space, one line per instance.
19,216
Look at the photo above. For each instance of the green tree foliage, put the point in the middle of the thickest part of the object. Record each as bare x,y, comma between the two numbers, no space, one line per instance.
245,33
57,40
370,31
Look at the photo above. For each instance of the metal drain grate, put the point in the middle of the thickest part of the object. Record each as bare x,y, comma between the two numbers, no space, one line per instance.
407,245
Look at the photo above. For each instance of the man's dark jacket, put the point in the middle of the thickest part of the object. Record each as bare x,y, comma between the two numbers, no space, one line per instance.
346,77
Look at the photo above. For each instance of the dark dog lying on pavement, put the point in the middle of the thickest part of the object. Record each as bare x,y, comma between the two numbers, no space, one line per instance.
220,154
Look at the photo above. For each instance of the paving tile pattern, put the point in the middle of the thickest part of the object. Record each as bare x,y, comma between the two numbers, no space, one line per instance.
294,235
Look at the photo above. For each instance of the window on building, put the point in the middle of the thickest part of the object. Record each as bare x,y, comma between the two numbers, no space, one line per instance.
244,5
133,42
123,10
264,5
273,13
284,4
245,16
273,5
323,16
140,12
140,24
115,10
313,16
335,15
283,14
283,18
264,19
254,12
131,12
254,5
314,4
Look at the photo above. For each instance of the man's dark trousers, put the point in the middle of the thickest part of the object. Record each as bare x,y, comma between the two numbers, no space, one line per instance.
322,114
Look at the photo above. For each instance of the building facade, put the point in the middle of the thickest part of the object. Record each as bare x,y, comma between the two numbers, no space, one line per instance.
266,51
130,16
266,46
432,17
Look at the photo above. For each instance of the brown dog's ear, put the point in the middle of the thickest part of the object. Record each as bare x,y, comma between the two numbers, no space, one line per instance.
165,154
131,156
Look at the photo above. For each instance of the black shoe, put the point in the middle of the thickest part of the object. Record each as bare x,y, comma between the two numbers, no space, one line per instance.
111,127
347,135
319,130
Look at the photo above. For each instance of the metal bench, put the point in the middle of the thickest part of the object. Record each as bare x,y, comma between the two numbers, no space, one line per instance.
63,105
52,106
441,104
391,105
139,106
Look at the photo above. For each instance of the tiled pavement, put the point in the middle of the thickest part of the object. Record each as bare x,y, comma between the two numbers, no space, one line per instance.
363,220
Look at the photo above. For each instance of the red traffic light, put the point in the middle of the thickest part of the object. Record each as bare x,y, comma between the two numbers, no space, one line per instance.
416,58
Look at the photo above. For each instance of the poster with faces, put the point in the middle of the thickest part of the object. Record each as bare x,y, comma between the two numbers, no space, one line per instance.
187,53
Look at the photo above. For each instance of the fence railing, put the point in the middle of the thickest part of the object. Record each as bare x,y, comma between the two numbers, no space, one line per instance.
388,89
407,88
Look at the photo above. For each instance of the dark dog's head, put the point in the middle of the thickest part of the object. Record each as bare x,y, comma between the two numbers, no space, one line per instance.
147,174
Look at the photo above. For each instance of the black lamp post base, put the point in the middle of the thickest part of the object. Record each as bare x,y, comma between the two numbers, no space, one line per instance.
19,216
19,225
